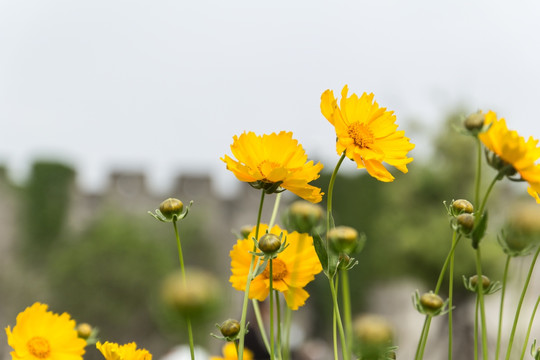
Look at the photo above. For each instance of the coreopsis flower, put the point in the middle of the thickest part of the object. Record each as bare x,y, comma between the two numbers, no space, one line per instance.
113,351
229,353
513,150
43,335
293,268
367,133
274,161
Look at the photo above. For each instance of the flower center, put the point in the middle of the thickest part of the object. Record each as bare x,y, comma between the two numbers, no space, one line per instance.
39,347
279,270
361,135
265,167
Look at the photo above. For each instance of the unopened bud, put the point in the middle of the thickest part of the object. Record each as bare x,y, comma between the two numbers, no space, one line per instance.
269,243
431,301
485,281
343,238
171,208
465,222
84,330
230,328
304,216
475,121
245,231
462,206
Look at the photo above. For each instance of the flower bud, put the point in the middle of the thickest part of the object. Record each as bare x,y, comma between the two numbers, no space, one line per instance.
465,222
475,121
431,302
373,336
304,216
485,281
269,243
462,206
171,208
84,330
245,231
343,238
230,328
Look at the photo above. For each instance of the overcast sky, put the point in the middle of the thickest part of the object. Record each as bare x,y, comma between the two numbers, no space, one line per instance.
162,86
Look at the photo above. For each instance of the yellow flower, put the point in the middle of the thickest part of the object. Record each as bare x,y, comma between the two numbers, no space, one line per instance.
367,133
292,269
514,150
113,351
272,161
40,334
229,353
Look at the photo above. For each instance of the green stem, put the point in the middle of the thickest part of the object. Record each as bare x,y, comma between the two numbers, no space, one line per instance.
347,313
529,329
344,347
331,192
476,307
422,341
520,304
334,335
183,271
478,179
278,313
270,277
248,283
288,322
450,297
501,307
480,293
488,191
260,323
274,211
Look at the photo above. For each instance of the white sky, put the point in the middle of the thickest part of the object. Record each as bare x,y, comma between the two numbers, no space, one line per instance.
162,86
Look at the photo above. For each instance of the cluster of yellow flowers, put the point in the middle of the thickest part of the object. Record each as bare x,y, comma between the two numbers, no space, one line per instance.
365,133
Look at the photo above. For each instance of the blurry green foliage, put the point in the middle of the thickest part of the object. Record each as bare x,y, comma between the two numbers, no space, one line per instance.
45,206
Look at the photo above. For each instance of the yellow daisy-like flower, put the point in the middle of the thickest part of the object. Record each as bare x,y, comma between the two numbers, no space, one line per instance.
229,353
511,148
113,351
272,161
367,133
43,335
293,268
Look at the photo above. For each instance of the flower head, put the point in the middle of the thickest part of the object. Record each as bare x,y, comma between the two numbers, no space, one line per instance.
229,353
513,150
113,351
293,268
367,133
272,161
43,335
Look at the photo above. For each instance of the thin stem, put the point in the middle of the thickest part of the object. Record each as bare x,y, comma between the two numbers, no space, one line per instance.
476,307
428,325
331,192
529,328
278,314
270,277
501,307
274,211
248,283
488,192
450,297
422,335
288,317
478,178
347,313
260,323
183,271
344,347
520,304
480,293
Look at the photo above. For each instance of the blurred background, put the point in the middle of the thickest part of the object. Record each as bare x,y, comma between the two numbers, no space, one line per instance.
108,108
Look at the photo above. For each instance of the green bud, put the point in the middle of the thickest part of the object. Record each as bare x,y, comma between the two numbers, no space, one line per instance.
462,206
84,330
431,302
474,121
303,216
485,281
269,243
171,208
465,222
343,239
230,328
245,231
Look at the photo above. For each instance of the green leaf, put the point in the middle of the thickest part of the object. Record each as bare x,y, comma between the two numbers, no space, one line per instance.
479,230
320,249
